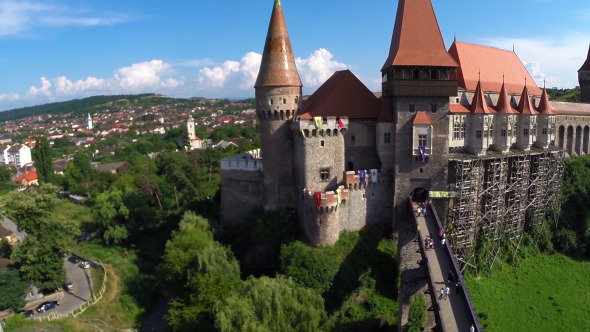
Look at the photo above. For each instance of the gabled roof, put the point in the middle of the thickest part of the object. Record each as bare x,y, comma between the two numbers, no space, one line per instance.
31,176
565,108
524,106
544,106
422,118
385,113
503,106
4,232
495,66
343,94
479,104
277,67
416,39
586,65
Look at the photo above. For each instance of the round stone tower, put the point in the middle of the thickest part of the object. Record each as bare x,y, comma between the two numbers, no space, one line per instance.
278,97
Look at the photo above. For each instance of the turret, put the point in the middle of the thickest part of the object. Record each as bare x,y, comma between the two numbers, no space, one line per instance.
527,124
545,123
504,123
278,97
481,133
584,80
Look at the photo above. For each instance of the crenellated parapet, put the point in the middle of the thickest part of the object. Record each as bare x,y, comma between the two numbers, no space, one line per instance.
352,179
328,200
329,126
249,161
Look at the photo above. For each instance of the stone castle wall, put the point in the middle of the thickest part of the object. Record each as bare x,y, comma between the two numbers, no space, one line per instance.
242,193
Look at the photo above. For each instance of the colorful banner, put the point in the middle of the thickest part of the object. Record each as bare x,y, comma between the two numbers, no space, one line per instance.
318,198
339,196
340,124
422,153
363,175
374,173
443,194
318,122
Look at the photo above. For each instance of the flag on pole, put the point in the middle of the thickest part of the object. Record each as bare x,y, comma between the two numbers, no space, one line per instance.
318,122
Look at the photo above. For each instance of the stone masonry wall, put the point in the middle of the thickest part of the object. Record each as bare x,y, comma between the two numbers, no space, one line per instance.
241,194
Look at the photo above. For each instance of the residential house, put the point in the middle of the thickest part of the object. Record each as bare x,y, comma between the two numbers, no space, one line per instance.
114,168
59,166
27,179
19,155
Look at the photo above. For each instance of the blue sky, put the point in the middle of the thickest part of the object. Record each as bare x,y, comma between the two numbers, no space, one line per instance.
61,50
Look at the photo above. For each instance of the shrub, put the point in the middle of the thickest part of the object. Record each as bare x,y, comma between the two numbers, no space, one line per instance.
417,315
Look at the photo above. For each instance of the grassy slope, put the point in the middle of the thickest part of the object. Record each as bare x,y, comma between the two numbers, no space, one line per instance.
543,293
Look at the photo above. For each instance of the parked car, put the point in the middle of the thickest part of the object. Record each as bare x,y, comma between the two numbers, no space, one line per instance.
26,313
69,285
85,265
47,306
74,259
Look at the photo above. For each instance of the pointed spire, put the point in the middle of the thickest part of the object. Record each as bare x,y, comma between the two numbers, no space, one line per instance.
277,67
503,106
455,37
544,106
586,65
416,38
524,106
479,104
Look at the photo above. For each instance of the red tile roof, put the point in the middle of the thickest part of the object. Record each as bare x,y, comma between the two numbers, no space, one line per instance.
586,65
416,39
524,106
495,65
277,67
31,176
343,94
458,108
422,118
565,108
479,104
503,106
385,114
544,105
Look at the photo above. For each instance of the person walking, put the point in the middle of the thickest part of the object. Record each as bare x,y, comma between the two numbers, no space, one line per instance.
442,243
442,294
447,291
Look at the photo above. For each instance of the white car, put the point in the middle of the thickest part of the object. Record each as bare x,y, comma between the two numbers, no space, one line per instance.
85,265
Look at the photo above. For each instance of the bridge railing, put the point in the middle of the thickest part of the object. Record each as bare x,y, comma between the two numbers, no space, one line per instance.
457,273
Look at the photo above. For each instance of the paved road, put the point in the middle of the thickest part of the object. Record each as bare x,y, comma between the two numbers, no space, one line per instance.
9,224
73,299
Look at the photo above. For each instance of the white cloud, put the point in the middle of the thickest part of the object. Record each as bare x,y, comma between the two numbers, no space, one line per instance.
555,59
229,79
19,18
146,75
316,69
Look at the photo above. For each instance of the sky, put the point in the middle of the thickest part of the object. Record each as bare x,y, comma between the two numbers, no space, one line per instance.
61,50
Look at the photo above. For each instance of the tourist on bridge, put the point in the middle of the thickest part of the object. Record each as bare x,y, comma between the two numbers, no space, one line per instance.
442,243
450,277
442,294
441,232
447,292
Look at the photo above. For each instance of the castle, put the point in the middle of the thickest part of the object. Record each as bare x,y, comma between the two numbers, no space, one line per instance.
469,119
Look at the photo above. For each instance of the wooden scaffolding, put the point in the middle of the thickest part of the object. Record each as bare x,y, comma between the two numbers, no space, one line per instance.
494,193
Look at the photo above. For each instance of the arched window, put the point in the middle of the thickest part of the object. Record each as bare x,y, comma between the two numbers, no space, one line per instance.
416,74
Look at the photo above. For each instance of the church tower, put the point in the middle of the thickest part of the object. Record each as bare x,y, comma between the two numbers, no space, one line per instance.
89,122
278,97
584,80
418,78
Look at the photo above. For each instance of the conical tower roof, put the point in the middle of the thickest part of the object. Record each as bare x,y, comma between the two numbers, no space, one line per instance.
544,106
504,106
524,106
416,39
479,104
277,67
586,65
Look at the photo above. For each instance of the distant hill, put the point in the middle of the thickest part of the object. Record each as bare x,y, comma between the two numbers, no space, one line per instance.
85,105
569,95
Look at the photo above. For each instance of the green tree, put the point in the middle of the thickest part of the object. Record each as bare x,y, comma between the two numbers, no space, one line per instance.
270,304
48,236
5,248
111,214
417,315
308,266
43,160
12,290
